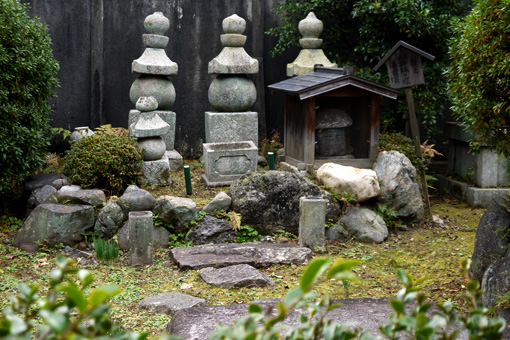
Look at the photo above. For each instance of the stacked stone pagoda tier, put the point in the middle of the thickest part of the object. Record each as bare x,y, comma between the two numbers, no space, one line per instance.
231,132
311,54
152,123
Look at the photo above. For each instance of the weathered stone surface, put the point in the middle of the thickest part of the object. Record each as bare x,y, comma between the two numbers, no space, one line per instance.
306,60
52,224
312,219
270,201
176,211
93,197
220,202
156,172
241,275
159,87
212,230
170,303
59,183
495,282
38,181
399,185
160,237
70,188
136,199
227,162
361,184
337,233
365,225
40,196
491,241
80,132
109,220
254,254
149,124
153,147
224,127
368,314
232,93
141,251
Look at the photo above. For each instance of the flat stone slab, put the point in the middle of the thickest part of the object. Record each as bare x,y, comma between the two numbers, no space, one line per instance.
198,323
170,303
241,275
254,254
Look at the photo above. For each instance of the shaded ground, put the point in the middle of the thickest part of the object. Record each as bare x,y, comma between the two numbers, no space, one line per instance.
428,250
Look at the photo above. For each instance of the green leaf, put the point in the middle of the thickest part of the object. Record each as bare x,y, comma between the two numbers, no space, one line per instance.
398,306
313,272
101,294
57,322
341,266
76,296
255,309
402,276
293,296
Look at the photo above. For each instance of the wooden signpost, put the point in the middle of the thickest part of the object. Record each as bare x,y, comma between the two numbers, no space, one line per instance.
405,71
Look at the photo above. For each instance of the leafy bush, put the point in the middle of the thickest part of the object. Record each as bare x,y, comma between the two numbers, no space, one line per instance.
399,142
361,32
104,161
28,77
480,74
248,234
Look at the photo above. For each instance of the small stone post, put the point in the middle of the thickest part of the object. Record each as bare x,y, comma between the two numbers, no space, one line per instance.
312,220
140,238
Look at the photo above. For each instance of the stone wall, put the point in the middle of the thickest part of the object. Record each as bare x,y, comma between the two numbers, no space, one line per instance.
95,42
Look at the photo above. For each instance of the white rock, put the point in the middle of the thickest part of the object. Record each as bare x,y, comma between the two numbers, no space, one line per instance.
359,183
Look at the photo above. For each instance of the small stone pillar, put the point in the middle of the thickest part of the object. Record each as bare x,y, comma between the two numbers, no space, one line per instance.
140,238
154,68
311,54
312,221
231,132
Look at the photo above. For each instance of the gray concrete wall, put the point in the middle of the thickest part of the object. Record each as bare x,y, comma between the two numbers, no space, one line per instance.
96,41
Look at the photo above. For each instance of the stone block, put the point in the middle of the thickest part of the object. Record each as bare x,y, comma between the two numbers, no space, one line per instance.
312,221
168,117
141,238
175,160
156,172
226,162
225,127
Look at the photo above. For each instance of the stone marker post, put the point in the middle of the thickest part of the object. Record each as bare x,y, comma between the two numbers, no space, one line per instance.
231,132
140,238
312,221
154,68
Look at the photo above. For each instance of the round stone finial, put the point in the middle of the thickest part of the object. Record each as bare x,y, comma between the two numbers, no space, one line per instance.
234,24
310,27
156,23
146,104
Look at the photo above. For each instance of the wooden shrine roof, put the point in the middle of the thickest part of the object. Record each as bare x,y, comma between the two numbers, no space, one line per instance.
326,79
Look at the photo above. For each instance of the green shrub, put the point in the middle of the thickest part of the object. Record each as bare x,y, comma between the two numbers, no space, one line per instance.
480,74
104,161
399,142
106,250
28,77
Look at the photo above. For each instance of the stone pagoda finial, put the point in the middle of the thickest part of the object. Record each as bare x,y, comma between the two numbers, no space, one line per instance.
311,54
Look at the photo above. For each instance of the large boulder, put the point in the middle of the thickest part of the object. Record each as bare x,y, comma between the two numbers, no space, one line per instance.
176,211
492,240
135,199
109,220
40,196
170,303
93,197
495,282
212,230
270,201
364,224
54,224
399,185
361,184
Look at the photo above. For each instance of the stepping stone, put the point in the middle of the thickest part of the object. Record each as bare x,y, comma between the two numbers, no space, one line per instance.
224,255
241,275
170,303
368,314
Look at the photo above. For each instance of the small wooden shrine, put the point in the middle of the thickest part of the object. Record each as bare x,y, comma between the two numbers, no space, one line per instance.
331,115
